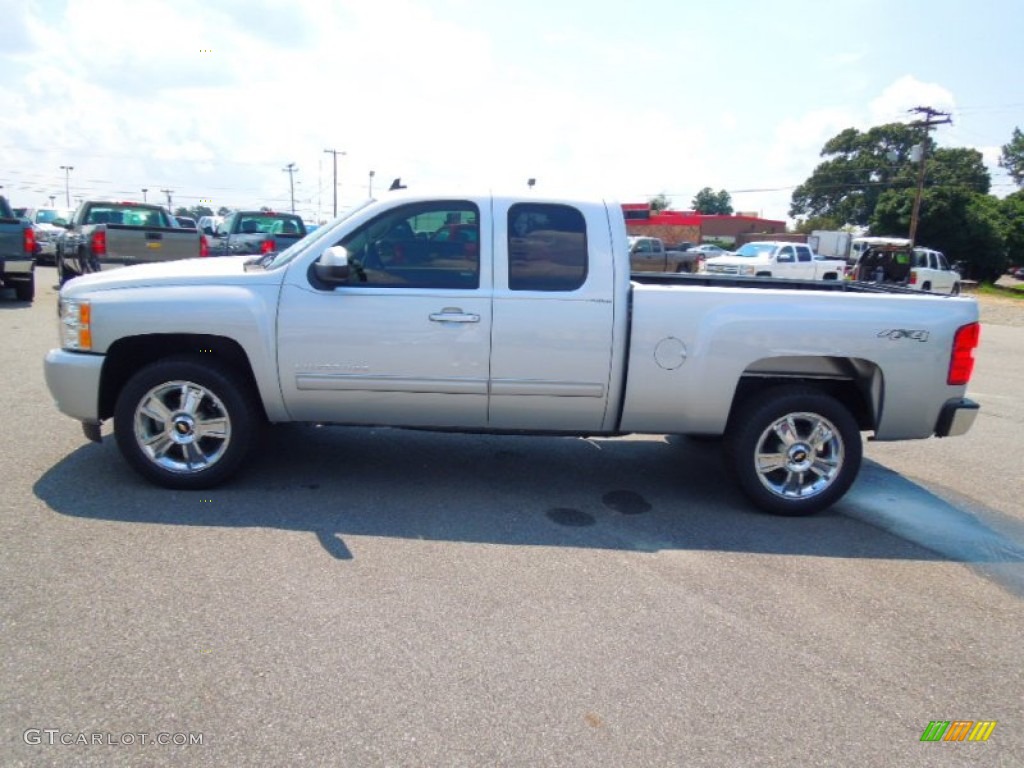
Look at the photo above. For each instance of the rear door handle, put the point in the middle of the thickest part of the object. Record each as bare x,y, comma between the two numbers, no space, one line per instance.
454,315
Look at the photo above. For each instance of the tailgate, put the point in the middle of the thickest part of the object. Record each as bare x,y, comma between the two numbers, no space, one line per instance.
142,245
12,240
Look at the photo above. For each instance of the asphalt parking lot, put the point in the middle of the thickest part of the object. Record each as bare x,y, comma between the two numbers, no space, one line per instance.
383,597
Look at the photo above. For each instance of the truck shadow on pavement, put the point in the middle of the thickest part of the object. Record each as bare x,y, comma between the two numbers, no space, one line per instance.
642,495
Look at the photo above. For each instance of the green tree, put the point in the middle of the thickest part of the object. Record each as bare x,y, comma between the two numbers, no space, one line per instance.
707,201
1012,209
958,167
659,203
861,167
806,226
1012,157
967,226
193,212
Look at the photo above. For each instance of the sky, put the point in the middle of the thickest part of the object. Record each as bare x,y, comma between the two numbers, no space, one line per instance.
214,99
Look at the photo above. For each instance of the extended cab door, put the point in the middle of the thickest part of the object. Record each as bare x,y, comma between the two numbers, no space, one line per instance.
553,332
406,341
787,266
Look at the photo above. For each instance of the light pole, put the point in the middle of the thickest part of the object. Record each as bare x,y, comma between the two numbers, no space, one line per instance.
291,169
372,173
168,193
335,152
67,189
52,199
144,191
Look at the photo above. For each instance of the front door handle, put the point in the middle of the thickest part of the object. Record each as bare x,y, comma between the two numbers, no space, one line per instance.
454,315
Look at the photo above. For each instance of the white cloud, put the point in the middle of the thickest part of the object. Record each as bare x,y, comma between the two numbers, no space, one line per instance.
898,99
213,100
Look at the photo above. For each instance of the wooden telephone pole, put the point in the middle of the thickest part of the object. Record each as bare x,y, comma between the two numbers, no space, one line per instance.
929,122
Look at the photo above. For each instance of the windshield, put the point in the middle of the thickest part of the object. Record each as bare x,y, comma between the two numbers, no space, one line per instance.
752,250
49,215
326,232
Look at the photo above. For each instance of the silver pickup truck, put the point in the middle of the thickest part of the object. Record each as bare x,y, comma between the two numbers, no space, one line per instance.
531,323
104,235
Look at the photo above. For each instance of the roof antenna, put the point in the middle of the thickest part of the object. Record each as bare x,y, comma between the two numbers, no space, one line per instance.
396,184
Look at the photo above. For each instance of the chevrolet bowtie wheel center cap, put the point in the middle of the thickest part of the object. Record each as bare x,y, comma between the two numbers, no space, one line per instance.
184,429
800,458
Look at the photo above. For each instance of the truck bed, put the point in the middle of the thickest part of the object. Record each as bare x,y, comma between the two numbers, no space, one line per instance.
772,283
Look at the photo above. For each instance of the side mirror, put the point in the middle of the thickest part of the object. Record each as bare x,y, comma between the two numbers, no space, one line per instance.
332,266
208,231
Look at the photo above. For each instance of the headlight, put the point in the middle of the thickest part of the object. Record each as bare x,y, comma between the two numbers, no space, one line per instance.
75,324
749,271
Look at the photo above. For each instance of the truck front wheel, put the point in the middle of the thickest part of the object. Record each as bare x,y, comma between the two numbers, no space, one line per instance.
795,451
186,423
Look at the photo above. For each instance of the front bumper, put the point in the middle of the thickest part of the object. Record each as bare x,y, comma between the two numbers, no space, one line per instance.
73,379
956,417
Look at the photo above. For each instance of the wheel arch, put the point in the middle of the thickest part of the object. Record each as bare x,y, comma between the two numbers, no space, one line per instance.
856,383
128,355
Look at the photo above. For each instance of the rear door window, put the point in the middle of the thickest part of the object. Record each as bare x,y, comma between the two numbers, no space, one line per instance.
547,247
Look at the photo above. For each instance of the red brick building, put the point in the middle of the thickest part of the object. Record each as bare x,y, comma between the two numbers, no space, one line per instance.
686,226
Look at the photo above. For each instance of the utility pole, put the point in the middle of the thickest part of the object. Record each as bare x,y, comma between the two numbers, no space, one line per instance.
372,174
67,190
144,191
335,152
291,169
928,123
168,193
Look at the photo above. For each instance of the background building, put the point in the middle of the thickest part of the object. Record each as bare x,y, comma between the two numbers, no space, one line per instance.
690,227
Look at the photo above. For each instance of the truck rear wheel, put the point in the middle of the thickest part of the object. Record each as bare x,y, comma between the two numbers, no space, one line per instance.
795,451
25,290
64,272
186,423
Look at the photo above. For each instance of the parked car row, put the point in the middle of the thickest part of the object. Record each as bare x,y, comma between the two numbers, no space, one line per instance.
70,239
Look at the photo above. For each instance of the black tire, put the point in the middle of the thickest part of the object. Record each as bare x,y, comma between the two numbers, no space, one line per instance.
63,272
25,290
811,473
186,423
956,290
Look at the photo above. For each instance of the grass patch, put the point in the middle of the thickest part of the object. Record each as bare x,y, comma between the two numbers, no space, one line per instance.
1013,292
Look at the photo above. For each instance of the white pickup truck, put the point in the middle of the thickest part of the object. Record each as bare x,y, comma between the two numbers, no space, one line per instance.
533,324
795,261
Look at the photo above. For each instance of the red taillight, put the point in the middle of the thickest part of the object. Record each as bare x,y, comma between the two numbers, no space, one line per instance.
268,246
98,245
204,246
913,277
28,241
961,360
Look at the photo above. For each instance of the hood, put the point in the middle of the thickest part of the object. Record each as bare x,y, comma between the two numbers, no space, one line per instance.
739,261
214,270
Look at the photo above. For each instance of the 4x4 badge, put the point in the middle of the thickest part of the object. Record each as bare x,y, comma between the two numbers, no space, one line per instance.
895,334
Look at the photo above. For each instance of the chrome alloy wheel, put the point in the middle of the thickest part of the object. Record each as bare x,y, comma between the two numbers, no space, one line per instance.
182,426
799,455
